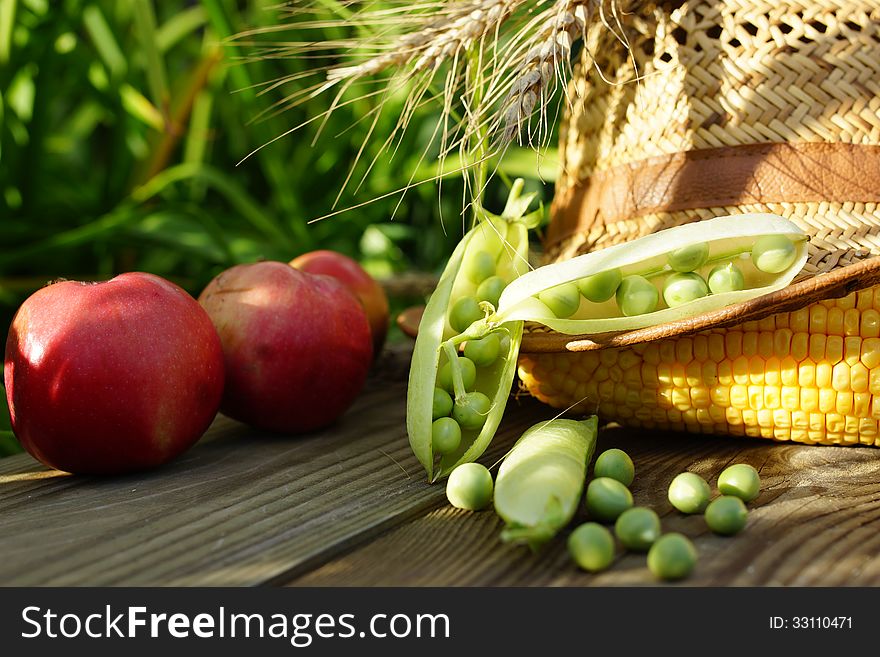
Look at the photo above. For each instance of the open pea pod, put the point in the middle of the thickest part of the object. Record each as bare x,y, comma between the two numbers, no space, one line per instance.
670,275
467,394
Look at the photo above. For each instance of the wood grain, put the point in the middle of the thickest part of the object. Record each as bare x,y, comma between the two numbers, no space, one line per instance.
816,522
241,508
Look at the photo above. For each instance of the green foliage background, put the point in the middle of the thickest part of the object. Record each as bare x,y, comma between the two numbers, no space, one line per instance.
123,124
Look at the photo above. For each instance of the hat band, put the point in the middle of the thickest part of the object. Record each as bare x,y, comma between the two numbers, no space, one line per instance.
801,172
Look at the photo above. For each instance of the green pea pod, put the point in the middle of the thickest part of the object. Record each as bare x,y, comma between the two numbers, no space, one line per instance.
505,239
729,240
541,480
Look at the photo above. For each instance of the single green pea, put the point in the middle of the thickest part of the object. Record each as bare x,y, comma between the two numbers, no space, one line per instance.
773,254
741,480
689,258
469,487
726,278
607,498
483,352
445,435
479,266
470,410
680,288
636,295
600,287
562,300
689,493
442,404
672,556
726,515
468,375
637,528
464,312
591,546
490,290
615,463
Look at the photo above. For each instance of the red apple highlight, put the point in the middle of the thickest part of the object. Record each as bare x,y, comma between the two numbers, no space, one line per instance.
297,347
353,276
111,377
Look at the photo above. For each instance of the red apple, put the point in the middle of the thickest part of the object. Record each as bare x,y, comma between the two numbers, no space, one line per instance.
353,276
297,346
111,377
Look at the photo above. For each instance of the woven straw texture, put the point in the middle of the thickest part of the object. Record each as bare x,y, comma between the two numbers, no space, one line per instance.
711,74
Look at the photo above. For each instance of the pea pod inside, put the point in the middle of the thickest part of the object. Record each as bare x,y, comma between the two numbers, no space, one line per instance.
458,352
749,255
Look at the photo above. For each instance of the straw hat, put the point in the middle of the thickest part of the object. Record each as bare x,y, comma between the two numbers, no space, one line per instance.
740,106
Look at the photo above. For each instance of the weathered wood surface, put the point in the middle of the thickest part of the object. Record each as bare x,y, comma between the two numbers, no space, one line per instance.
350,506
240,508
816,522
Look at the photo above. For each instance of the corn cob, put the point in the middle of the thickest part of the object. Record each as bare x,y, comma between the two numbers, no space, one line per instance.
810,376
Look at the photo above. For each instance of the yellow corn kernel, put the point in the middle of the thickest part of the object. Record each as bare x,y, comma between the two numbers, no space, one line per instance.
667,351
823,374
750,343
679,378
807,374
790,397
756,397
844,404
870,324
741,370
799,320
739,396
628,358
733,344
716,347
862,404
852,350
788,371
800,346
818,319
835,321
782,342
817,347
810,399
701,348
851,321
725,372
827,400
834,349
756,371
840,377
870,355
709,373
720,395
693,373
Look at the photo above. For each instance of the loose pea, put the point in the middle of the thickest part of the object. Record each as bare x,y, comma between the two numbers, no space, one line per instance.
615,463
637,528
726,278
479,266
683,287
636,296
741,480
672,556
469,487
471,409
490,290
592,547
689,493
442,404
468,375
484,351
445,435
600,287
607,498
464,312
689,258
773,254
726,515
562,300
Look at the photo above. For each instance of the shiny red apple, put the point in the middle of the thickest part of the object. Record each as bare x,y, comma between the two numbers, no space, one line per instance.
356,279
111,377
297,346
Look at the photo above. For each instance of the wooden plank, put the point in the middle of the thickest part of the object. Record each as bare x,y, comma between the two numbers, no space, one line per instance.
816,522
240,508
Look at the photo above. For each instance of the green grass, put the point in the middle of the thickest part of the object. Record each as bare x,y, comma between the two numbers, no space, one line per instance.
124,131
